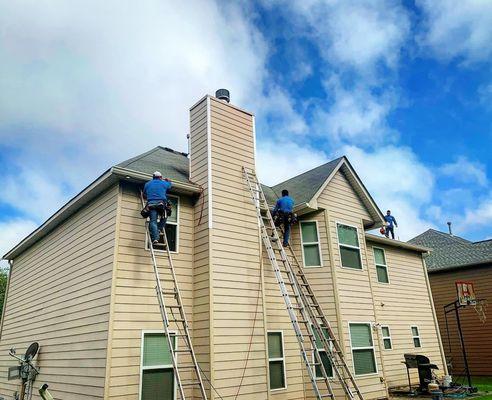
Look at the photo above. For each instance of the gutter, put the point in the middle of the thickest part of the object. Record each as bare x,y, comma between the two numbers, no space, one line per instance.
396,243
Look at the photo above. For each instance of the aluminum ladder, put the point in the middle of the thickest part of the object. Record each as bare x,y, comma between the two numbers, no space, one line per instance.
306,315
173,312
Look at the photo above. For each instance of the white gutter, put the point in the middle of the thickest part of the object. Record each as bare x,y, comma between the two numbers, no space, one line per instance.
396,243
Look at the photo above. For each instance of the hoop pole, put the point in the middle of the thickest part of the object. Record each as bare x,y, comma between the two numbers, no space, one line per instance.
462,341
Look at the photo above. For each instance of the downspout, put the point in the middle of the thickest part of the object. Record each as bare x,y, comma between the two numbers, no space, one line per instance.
434,315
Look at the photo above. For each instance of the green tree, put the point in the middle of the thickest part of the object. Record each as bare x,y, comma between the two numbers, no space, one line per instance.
4,274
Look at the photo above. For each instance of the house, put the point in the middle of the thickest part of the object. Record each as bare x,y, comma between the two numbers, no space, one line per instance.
456,259
82,283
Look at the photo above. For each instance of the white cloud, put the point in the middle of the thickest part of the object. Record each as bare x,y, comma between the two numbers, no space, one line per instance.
355,34
466,171
476,217
86,85
357,115
12,232
458,28
278,161
485,95
398,181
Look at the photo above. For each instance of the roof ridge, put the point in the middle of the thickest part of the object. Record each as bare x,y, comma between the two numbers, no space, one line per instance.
308,171
136,158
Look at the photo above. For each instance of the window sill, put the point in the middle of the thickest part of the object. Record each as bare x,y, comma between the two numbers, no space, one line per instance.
352,269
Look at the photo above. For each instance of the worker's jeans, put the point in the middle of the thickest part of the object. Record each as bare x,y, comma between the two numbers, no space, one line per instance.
156,226
286,233
392,230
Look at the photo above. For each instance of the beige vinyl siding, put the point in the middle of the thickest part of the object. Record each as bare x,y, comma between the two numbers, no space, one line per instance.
59,295
477,334
401,304
236,277
135,304
355,301
199,145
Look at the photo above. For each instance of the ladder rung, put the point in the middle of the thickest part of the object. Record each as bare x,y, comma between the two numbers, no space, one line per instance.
186,350
190,384
168,292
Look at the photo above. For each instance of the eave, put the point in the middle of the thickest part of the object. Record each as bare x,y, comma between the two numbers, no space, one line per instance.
105,181
396,243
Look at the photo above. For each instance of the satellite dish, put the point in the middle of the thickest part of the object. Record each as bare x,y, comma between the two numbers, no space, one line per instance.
31,351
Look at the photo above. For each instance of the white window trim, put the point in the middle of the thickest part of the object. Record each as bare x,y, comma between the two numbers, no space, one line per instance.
158,251
381,265
142,368
314,360
349,246
386,337
416,336
363,348
277,359
311,243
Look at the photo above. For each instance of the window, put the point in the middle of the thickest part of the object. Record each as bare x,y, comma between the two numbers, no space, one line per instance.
310,244
416,337
362,348
324,356
381,267
385,330
348,243
157,375
171,227
276,361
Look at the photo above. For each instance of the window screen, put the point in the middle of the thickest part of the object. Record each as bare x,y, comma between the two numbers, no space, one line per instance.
310,244
362,349
381,267
276,360
349,247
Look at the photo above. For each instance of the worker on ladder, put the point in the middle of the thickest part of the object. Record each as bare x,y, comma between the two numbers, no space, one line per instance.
282,215
155,193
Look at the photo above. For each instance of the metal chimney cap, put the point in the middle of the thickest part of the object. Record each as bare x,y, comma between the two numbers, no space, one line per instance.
223,94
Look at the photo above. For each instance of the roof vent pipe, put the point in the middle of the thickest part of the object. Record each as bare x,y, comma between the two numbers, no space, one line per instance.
223,94
449,227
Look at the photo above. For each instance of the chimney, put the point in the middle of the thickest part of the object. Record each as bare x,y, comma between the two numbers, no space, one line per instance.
227,246
449,228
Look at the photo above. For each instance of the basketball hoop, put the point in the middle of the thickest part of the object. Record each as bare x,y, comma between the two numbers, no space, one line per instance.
480,307
466,293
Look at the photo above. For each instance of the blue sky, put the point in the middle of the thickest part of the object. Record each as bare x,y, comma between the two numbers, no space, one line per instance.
404,89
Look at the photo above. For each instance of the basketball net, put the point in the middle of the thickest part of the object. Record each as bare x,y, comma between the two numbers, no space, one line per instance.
481,308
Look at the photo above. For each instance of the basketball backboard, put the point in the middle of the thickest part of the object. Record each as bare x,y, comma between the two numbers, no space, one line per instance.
466,293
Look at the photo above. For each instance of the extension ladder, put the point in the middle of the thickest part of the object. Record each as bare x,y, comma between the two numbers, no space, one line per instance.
308,320
173,312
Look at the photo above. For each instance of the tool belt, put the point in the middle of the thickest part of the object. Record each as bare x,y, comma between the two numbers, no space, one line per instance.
281,217
164,208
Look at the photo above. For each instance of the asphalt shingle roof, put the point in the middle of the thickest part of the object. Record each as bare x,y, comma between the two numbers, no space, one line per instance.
449,251
170,163
175,165
303,187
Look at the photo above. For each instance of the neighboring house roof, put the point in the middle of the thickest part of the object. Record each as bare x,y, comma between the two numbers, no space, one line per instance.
304,188
451,252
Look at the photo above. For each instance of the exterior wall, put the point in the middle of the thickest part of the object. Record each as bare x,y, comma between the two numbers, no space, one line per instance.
477,335
59,296
134,302
354,287
400,304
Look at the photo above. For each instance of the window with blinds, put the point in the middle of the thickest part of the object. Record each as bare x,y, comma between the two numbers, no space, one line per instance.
324,356
276,360
311,250
362,349
385,332
381,266
157,376
416,337
348,243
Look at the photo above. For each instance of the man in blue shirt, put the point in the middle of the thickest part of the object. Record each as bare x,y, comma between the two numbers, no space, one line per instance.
283,208
155,192
390,224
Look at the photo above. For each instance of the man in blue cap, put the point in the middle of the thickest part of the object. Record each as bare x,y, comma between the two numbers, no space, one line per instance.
284,208
155,192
